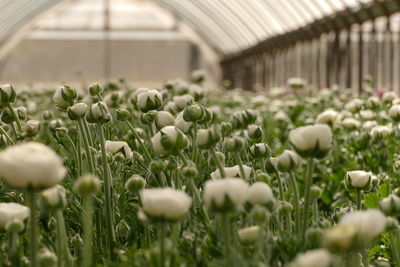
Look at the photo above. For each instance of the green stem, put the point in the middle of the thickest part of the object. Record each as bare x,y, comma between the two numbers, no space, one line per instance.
15,117
226,239
219,163
240,163
358,199
2,131
12,252
307,186
280,186
86,146
107,193
32,202
194,143
394,244
162,244
296,202
87,131
137,137
315,212
87,231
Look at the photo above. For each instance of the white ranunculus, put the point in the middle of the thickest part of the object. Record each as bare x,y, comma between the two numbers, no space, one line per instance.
287,161
165,203
368,125
281,116
368,223
372,102
54,198
296,83
354,105
313,258
367,114
31,165
249,235
169,140
394,112
329,116
113,147
312,141
11,211
225,194
182,101
389,96
232,172
390,205
134,96
163,119
381,131
351,123
181,124
149,100
79,109
260,193
358,179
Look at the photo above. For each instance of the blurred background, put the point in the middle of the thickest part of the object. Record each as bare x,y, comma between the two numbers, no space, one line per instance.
252,44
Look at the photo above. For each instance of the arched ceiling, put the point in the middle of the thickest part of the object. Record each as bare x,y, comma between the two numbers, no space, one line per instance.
228,26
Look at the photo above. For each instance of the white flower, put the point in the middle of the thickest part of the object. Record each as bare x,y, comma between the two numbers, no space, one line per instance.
232,172
372,102
390,205
165,203
149,100
164,118
169,140
249,235
287,161
368,125
225,194
134,96
368,223
260,193
354,105
182,101
329,116
394,112
351,123
31,165
296,83
381,131
313,258
79,109
367,114
11,211
389,96
358,179
113,147
54,197
181,124
313,140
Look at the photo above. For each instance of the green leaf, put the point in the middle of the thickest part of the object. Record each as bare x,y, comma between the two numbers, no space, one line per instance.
372,200
384,190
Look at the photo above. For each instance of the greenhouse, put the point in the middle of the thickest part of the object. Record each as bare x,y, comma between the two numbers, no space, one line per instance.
180,133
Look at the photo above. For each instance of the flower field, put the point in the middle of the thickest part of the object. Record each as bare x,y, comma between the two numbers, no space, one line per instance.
183,176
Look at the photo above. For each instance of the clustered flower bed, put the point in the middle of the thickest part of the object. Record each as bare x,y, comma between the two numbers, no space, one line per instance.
174,176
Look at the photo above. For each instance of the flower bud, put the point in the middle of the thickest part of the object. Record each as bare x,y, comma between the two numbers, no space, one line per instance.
390,205
77,111
64,97
212,162
207,138
54,198
249,235
169,140
315,192
32,127
234,144
226,129
54,124
196,91
148,117
122,229
134,96
88,184
47,115
46,258
7,94
171,107
193,112
260,193
285,208
149,100
22,113
358,180
198,76
157,166
259,214
95,90
122,114
163,119
288,161
255,132
15,225
296,83
392,224
262,177
189,171
208,116
98,113
340,238
61,132
6,116
135,184
314,236
182,101
260,150
394,112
